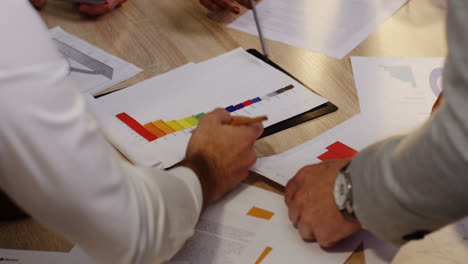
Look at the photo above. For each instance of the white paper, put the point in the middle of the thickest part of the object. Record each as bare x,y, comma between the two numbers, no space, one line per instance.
396,97
227,234
91,68
193,89
332,27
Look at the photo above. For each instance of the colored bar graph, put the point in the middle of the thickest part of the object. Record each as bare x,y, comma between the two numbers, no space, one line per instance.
338,150
163,126
174,125
260,213
154,130
265,252
137,127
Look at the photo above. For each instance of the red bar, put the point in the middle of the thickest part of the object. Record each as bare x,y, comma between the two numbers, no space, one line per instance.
248,102
338,150
137,127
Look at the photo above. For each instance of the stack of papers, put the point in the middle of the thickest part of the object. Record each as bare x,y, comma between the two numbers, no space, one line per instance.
170,105
332,27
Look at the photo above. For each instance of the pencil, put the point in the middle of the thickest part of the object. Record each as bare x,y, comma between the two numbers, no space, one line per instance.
259,28
248,121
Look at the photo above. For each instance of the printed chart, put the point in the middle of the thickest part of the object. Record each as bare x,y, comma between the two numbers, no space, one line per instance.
92,69
151,122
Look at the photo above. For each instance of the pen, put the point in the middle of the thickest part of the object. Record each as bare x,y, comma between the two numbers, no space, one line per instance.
259,28
247,121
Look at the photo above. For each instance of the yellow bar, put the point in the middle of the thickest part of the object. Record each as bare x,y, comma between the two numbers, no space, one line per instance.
163,126
192,120
184,123
174,125
260,213
263,255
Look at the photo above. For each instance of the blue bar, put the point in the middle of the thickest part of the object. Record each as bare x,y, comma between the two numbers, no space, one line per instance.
230,108
256,100
239,106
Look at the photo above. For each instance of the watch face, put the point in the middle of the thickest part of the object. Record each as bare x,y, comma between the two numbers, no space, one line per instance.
340,191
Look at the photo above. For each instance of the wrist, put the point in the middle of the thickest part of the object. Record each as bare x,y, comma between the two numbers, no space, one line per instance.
199,165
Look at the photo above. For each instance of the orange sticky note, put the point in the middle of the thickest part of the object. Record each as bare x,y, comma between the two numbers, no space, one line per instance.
263,255
163,126
260,213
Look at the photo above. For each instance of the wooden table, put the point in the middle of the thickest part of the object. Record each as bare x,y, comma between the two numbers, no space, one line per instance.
159,35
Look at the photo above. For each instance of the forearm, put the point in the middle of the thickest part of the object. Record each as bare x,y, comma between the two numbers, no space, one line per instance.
56,165
417,182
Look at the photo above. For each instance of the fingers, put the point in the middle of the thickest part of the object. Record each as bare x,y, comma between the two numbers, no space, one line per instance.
96,10
212,6
38,3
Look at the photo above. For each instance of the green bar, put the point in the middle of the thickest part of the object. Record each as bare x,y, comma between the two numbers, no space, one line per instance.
198,116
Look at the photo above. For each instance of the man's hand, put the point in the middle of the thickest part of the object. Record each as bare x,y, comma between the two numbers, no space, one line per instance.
38,3
221,154
221,5
312,207
96,10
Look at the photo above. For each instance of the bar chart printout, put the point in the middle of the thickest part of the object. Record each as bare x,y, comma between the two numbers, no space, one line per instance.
159,128
150,122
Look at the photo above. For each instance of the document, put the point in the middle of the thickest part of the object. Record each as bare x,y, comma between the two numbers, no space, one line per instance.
332,27
91,68
238,228
396,96
150,122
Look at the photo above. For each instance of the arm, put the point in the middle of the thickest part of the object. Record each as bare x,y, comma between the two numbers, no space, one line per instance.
56,166
403,187
418,181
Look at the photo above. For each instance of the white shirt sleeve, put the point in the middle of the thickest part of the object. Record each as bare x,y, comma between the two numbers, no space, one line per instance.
55,164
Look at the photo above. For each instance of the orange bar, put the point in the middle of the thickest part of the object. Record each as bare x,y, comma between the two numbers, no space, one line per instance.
260,213
263,255
154,130
163,126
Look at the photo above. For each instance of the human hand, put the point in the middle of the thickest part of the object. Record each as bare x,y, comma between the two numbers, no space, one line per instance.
95,10
222,5
38,3
312,207
221,154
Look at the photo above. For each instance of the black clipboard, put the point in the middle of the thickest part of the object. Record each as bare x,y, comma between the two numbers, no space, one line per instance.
313,113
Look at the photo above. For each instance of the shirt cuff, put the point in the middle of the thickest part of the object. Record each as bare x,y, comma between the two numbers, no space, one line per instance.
192,182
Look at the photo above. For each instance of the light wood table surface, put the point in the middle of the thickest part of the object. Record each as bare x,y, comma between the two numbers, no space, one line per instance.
159,35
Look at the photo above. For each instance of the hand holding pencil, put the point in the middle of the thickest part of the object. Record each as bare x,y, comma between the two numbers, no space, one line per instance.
221,151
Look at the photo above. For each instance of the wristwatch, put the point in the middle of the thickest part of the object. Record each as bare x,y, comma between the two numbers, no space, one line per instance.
343,192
